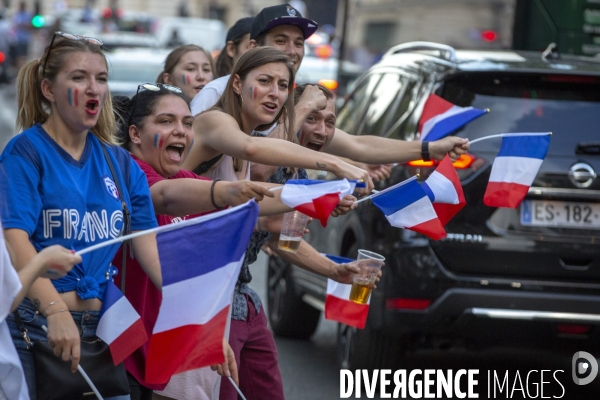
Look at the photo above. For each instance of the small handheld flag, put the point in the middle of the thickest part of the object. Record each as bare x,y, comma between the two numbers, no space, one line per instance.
440,118
445,191
338,306
120,326
515,168
406,205
317,199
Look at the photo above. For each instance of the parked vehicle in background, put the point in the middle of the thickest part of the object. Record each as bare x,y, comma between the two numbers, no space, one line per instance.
206,33
502,277
117,40
324,70
130,67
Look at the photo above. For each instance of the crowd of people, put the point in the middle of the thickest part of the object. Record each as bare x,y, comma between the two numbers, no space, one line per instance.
183,146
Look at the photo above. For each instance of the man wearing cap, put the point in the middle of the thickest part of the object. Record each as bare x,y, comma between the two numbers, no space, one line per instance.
284,28
236,44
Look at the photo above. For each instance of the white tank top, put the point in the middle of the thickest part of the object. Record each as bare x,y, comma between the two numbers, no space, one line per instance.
224,170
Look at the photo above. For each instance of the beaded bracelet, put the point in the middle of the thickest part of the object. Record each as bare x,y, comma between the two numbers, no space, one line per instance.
212,194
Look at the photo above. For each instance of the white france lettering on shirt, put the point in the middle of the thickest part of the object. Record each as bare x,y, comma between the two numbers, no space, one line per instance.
89,228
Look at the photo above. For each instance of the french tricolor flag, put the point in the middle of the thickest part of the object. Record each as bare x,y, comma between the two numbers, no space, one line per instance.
440,118
317,199
406,205
201,260
515,168
120,326
445,191
338,306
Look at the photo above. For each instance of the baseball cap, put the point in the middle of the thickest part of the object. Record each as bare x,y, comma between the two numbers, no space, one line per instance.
283,14
239,29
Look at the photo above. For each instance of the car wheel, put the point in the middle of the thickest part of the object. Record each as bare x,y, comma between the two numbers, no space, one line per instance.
289,316
368,349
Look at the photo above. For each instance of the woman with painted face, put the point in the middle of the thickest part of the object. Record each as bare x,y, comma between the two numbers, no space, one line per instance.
61,190
188,67
156,128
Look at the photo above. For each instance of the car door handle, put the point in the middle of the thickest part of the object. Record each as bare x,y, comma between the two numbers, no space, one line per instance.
590,148
571,265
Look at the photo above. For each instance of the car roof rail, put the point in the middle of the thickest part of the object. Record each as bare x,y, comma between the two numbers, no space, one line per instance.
446,52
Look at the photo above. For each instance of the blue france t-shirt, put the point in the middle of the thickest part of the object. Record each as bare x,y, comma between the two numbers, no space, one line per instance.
59,200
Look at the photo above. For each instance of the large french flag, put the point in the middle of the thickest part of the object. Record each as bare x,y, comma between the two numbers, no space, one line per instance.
406,205
440,118
515,168
201,260
445,191
317,199
120,326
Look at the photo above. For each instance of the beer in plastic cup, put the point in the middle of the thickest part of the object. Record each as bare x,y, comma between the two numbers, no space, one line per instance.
292,230
369,264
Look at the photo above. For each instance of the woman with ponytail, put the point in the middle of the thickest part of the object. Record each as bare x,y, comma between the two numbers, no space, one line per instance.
62,190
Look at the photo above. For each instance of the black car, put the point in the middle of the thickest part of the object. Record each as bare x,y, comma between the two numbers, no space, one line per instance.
526,277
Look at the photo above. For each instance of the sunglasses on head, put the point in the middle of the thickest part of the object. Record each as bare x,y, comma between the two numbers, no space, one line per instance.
69,36
154,87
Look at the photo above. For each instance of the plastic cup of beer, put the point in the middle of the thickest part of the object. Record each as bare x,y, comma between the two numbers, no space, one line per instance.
292,230
369,264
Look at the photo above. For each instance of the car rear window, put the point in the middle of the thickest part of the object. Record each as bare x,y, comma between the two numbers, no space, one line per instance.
568,106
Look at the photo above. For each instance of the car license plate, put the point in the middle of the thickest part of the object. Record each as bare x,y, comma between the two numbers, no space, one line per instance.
560,214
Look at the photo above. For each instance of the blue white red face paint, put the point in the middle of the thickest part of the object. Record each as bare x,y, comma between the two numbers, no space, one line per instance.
185,79
253,93
73,97
156,136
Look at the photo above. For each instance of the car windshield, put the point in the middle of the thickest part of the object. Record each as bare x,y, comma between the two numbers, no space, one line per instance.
569,107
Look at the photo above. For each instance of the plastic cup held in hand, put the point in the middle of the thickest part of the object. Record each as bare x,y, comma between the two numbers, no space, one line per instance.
292,230
369,264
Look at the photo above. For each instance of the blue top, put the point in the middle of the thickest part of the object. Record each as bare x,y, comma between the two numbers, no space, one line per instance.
59,200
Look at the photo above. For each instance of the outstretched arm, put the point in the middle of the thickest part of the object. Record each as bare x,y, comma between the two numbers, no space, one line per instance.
377,150
217,132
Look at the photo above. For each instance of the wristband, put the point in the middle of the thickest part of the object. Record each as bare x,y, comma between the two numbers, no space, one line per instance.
425,151
212,194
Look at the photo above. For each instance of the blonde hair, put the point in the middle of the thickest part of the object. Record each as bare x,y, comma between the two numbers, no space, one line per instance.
231,103
175,56
33,106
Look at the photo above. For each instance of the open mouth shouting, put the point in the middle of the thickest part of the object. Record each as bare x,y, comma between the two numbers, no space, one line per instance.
315,145
175,151
91,107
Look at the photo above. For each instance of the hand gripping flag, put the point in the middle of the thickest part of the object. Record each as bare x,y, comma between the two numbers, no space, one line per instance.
406,205
440,118
120,326
515,168
317,199
338,306
445,191
200,265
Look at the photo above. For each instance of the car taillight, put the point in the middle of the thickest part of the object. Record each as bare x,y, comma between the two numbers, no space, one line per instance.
573,329
421,163
407,304
323,51
2,57
330,84
464,161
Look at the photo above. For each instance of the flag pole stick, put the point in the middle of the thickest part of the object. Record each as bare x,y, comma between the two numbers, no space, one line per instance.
237,388
160,229
368,197
485,138
276,188
493,136
85,376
